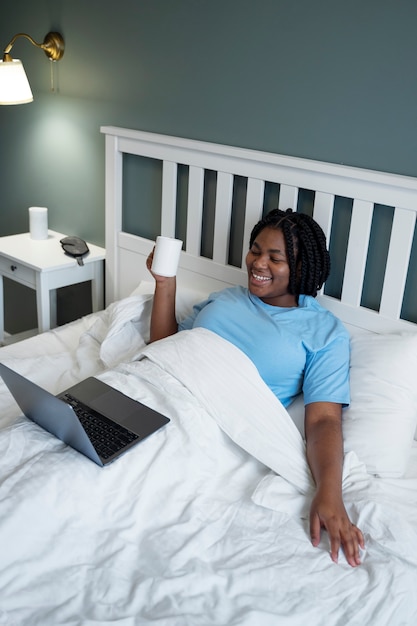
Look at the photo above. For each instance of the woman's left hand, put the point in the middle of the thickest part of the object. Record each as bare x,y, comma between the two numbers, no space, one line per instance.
328,511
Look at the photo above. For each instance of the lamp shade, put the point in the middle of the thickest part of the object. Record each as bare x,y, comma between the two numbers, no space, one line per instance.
14,85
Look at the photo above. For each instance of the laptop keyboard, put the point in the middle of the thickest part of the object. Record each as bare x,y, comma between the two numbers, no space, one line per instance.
106,436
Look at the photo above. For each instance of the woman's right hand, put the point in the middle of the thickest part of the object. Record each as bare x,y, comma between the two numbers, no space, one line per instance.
149,261
157,277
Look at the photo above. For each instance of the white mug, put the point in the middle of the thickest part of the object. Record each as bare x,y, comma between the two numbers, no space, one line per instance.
166,256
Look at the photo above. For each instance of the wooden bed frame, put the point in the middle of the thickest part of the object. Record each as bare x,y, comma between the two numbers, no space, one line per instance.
126,252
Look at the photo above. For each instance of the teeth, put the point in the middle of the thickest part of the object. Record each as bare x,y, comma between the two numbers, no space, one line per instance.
263,278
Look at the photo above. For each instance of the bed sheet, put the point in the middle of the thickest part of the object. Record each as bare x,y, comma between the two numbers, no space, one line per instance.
55,359
61,357
173,533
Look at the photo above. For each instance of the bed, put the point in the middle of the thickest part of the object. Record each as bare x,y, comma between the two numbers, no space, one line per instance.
205,522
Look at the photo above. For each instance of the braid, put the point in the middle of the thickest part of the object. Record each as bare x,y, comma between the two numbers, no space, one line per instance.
307,254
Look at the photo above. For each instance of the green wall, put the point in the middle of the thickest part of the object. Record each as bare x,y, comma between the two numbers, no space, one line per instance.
329,80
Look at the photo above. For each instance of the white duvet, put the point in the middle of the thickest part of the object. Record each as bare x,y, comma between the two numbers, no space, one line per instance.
193,526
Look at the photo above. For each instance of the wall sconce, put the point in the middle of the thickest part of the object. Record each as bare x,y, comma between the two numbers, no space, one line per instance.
14,85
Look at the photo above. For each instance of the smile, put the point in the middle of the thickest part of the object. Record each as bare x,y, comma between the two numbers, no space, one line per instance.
260,278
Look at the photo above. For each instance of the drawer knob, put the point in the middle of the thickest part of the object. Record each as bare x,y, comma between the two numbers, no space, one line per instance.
13,268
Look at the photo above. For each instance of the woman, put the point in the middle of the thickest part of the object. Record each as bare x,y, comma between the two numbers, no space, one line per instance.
296,345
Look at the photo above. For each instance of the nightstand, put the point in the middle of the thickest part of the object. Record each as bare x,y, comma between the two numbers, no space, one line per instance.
43,265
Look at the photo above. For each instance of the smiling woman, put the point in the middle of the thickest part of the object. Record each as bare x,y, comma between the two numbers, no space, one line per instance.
295,344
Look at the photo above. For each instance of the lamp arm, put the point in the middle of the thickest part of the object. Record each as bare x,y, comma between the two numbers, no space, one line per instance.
53,46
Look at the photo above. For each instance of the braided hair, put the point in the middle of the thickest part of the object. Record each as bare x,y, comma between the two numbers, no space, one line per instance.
307,254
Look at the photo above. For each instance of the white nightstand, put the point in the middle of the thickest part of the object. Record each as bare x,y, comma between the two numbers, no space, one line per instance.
44,266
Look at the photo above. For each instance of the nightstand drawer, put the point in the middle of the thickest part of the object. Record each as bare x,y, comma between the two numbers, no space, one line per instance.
18,272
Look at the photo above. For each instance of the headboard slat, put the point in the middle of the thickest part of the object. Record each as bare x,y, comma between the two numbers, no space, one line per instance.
323,211
360,228
288,197
169,199
195,209
254,203
397,263
224,197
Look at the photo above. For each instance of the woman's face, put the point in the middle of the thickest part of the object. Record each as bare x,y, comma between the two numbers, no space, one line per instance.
268,269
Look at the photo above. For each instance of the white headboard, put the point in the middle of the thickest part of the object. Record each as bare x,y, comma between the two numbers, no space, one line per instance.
126,252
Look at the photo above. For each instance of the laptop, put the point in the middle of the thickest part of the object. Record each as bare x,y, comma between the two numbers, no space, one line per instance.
91,417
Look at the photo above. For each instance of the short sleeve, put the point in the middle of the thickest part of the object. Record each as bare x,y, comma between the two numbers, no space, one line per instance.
326,377
188,322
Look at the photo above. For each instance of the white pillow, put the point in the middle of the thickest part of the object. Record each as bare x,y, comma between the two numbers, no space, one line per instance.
380,423
145,287
186,298
124,332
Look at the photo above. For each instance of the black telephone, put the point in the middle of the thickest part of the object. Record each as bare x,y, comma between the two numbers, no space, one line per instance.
76,247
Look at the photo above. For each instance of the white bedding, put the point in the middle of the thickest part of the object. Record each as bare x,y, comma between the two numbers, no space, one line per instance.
187,528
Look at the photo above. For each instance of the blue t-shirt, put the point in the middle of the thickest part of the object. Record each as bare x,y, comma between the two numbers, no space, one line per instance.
304,348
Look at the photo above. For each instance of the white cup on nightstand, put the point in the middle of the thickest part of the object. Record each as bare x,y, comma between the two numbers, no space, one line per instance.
38,222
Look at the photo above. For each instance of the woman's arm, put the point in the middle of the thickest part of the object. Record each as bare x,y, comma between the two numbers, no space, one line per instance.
163,321
323,428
